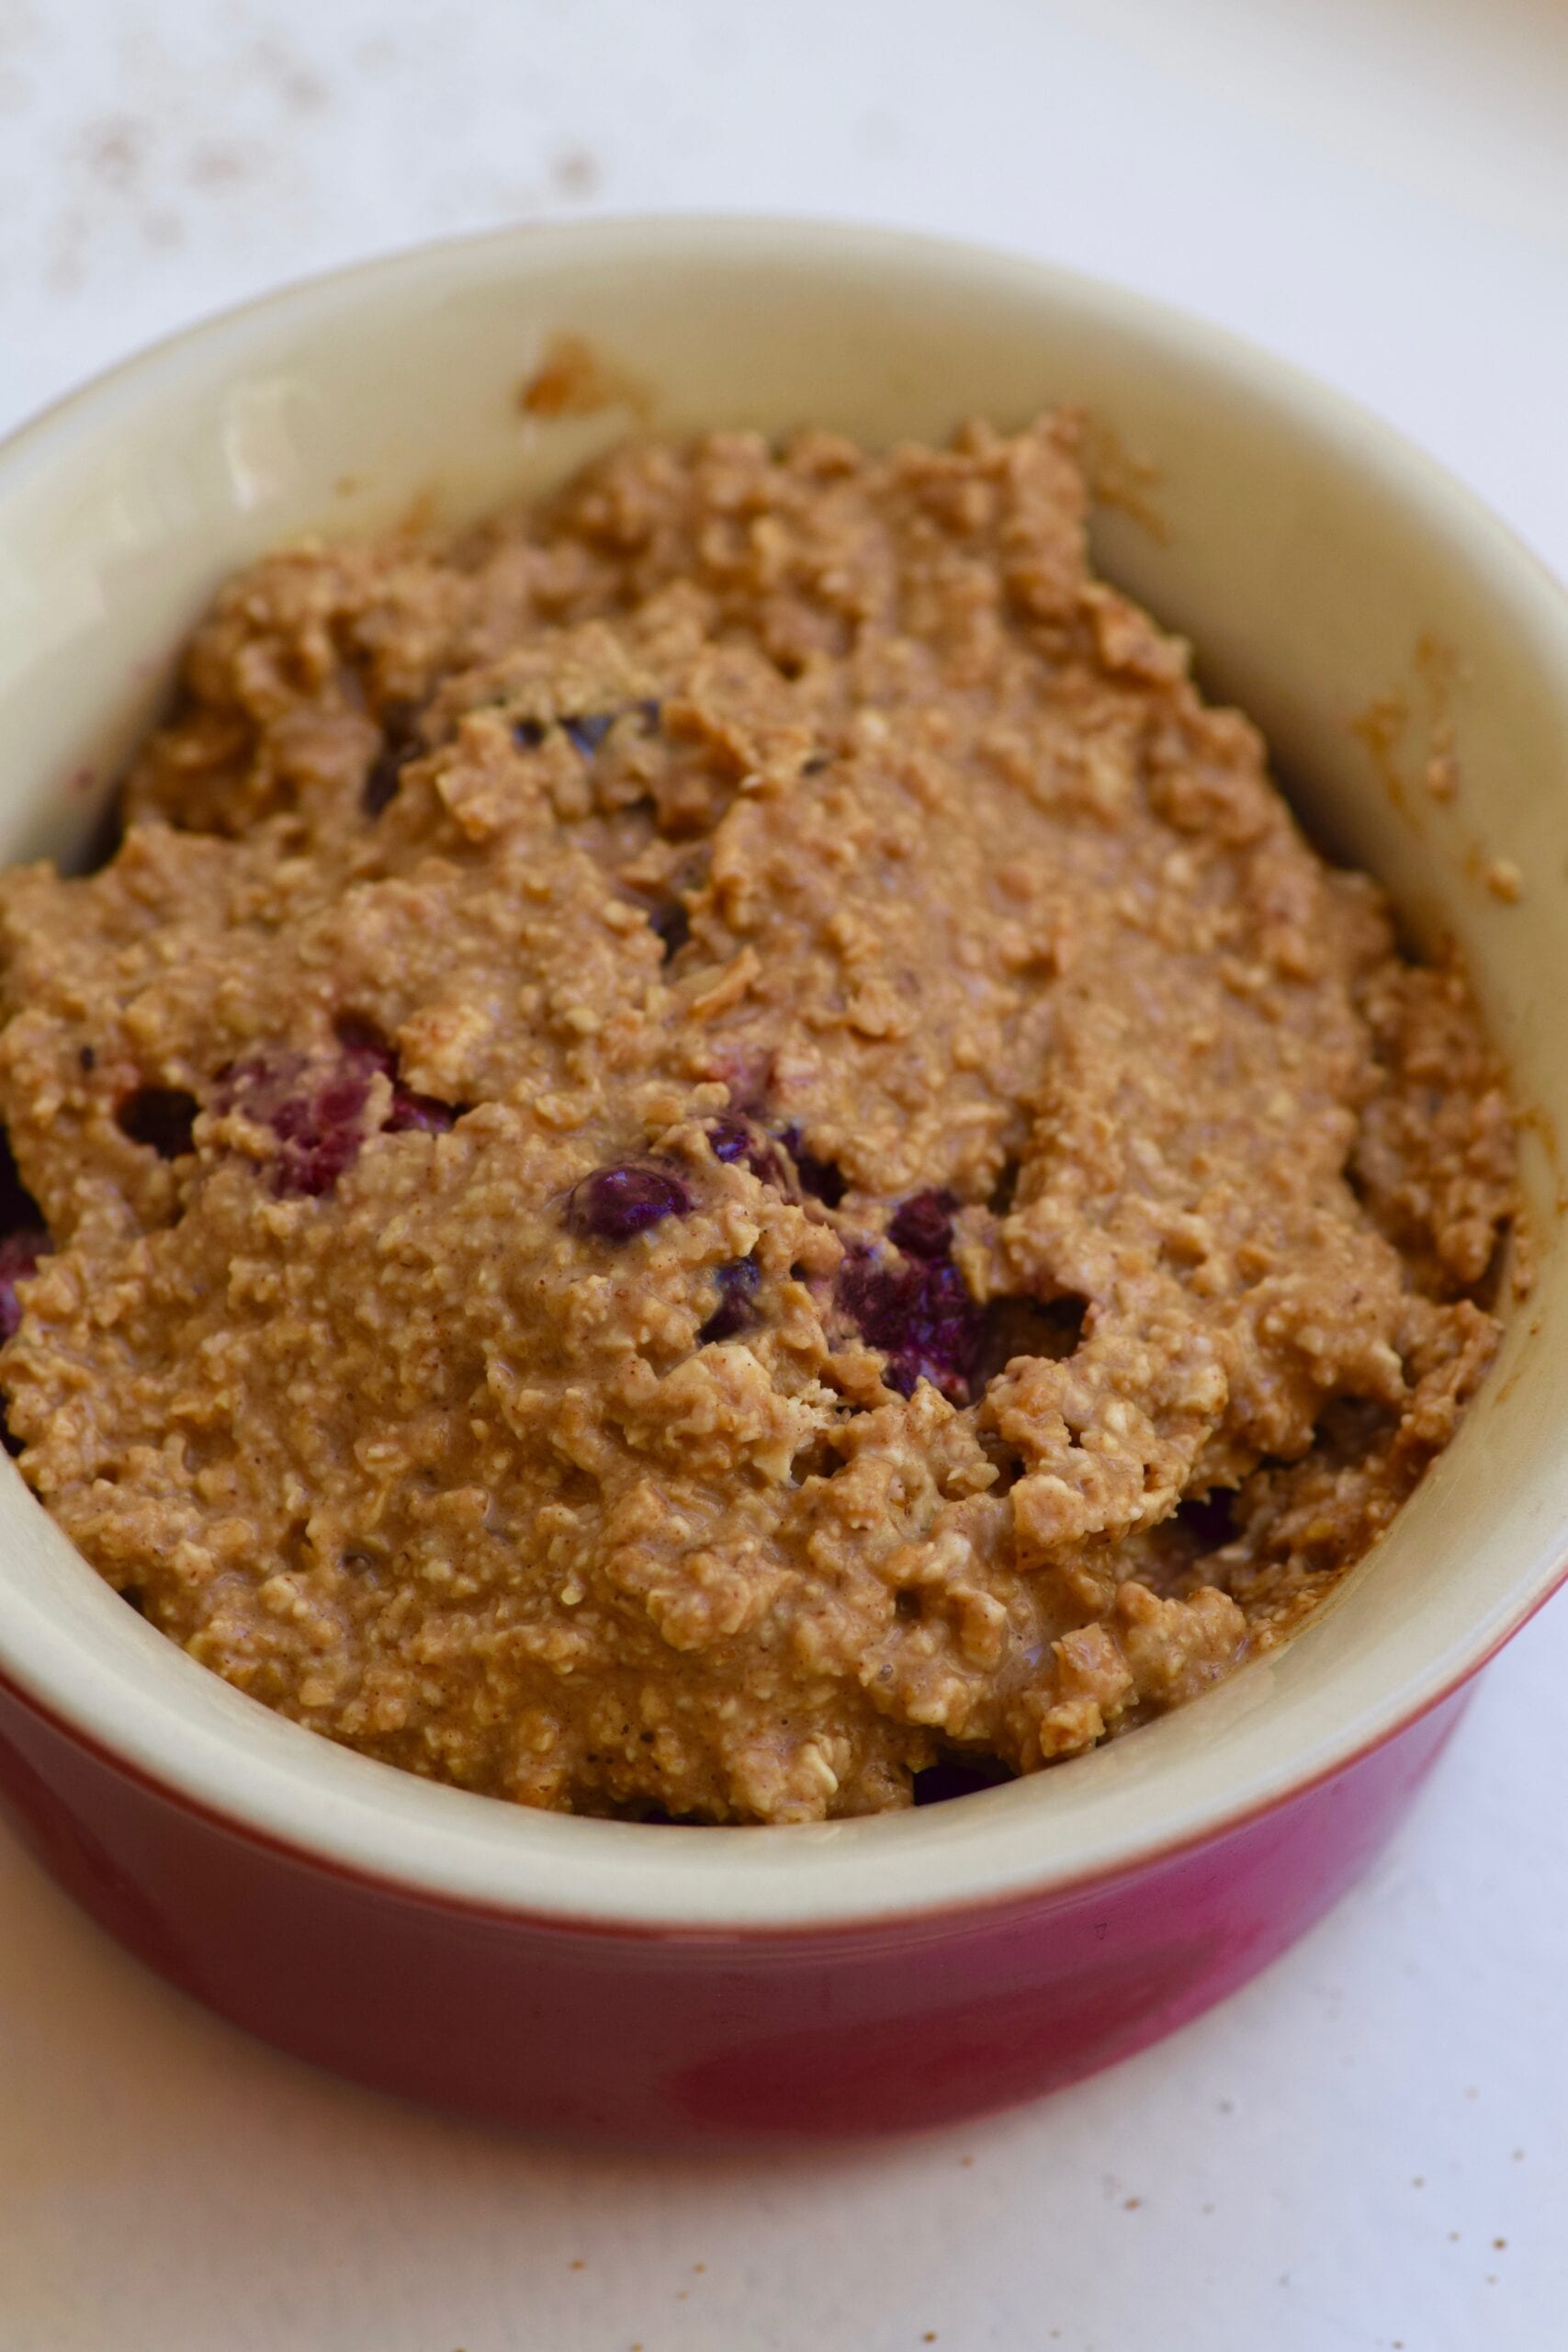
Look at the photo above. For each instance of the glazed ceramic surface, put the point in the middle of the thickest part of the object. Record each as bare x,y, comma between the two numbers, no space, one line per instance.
856,1975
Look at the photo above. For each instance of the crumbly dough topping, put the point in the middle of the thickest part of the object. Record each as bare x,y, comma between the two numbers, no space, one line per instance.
716,1145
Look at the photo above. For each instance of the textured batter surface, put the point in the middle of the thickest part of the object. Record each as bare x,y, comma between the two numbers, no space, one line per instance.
717,1145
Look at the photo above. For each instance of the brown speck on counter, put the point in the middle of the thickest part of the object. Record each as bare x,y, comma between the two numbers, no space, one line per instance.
576,378
578,2265
297,83
1500,2245
575,172
215,166
1130,2204
115,151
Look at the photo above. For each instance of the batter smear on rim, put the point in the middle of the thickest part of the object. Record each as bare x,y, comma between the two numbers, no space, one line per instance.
715,1145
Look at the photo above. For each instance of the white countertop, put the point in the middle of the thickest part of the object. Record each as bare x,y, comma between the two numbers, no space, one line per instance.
1366,2148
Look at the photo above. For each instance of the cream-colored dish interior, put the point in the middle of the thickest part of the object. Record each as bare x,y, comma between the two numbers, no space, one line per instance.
1306,552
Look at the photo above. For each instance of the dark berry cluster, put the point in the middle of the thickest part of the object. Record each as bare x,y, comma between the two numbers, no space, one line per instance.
918,1309
616,1203
317,1109
23,1241
19,1255
737,1286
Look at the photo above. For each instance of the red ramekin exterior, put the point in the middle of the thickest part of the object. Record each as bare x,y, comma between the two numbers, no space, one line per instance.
122,514
685,2038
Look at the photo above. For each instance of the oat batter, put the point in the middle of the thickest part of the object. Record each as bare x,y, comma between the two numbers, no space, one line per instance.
716,1145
